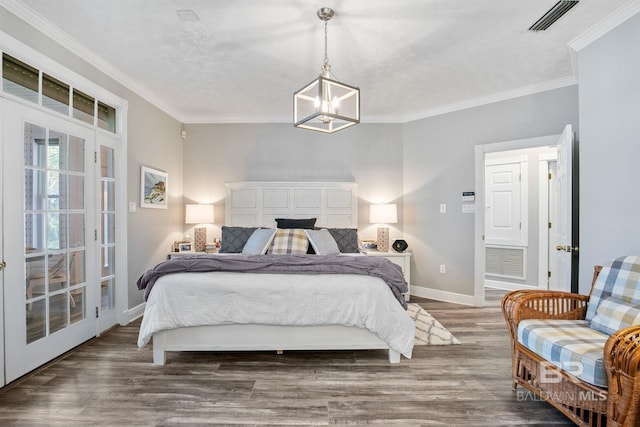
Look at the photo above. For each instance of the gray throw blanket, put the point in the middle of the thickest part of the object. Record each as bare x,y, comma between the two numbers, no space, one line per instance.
293,264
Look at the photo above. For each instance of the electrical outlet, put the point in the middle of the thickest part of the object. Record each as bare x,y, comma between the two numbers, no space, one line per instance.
443,268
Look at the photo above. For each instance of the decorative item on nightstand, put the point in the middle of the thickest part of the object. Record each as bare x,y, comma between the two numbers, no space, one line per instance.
383,214
200,215
399,245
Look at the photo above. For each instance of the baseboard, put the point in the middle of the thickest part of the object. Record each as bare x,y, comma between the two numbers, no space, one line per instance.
132,314
507,286
446,296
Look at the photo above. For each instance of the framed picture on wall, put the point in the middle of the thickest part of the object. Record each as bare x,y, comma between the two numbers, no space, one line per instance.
153,188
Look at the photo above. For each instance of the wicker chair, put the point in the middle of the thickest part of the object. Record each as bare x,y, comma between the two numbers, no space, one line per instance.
585,404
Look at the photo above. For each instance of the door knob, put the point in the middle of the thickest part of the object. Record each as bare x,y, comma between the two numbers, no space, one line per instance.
2,265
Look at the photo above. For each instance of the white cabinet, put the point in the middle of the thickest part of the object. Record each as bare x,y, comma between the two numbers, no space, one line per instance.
403,259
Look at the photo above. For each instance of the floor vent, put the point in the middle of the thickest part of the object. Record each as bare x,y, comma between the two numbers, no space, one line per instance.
555,13
505,262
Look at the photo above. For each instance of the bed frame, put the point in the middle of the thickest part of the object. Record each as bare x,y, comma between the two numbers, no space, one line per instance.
334,204
266,338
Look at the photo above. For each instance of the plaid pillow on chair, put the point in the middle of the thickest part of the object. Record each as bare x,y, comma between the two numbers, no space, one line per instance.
289,241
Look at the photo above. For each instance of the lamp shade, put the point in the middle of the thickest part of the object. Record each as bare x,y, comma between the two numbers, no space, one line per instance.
199,214
383,213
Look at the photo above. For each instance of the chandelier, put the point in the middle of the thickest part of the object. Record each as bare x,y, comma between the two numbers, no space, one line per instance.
325,104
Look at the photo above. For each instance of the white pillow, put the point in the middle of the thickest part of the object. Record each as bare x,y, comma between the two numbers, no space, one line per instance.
322,242
259,241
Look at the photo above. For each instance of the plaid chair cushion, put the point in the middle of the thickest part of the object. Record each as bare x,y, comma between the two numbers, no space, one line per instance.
619,278
289,241
568,344
614,314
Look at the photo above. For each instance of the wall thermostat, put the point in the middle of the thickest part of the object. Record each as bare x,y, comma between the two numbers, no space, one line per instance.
468,196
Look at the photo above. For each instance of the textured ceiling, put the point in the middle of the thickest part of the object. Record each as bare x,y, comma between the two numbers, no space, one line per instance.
243,59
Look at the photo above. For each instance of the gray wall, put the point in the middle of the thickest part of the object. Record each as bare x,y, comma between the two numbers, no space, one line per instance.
439,166
153,140
369,154
609,76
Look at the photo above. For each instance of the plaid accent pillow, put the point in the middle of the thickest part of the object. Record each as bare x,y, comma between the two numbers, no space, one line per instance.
289,241
614,314
621,274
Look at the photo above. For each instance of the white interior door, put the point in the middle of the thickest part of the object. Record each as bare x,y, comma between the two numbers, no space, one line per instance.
48,230
503,206
563,245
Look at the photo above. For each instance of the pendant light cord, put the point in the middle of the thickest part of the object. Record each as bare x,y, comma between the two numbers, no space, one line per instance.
326,38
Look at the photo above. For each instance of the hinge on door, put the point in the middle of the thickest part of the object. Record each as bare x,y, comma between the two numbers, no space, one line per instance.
549,225
95,234
95,157
96,312
520,226
548,274
549,175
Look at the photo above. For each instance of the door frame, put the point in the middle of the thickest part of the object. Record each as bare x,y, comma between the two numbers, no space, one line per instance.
2,345
480,151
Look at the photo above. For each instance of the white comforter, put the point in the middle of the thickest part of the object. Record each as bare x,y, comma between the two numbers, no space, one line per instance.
217,298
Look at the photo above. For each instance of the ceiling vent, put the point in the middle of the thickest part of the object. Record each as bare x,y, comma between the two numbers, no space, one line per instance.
555,13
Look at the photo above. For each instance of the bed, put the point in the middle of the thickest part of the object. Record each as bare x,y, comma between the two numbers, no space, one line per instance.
343,301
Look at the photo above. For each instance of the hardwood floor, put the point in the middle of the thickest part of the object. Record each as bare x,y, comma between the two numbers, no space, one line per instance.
108,382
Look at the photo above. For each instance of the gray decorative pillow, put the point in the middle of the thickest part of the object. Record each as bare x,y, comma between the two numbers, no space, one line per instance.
322,241
346,238
259,241
234,238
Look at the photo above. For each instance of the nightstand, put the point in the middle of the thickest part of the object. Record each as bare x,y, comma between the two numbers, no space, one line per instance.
403,259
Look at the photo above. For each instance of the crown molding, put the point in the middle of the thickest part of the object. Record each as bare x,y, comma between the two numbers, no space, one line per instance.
39,23
619,16
496,97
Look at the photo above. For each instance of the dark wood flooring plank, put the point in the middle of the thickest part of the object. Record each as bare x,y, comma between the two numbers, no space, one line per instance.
108,382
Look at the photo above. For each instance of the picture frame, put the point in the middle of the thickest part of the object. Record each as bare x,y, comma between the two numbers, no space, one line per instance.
185,247
153,188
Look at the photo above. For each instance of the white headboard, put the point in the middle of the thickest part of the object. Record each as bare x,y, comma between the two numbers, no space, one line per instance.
258,204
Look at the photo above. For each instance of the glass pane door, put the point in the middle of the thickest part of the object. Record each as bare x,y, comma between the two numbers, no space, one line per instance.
108,228
49,297
54,224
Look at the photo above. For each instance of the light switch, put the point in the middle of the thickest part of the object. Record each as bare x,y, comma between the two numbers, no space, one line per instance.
443,208
132,206
469,208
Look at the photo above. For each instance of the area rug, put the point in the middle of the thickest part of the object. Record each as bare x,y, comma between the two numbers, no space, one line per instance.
428,330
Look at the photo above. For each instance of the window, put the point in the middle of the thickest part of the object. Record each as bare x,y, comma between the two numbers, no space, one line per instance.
19,79
55,94
27,82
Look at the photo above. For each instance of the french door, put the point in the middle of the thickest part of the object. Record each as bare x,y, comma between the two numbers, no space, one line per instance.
50,235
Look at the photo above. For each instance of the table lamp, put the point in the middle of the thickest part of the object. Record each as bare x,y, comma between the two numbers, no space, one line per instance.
383,214
200,215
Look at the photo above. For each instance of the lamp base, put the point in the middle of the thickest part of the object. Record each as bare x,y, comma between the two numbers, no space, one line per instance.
200,239
383,239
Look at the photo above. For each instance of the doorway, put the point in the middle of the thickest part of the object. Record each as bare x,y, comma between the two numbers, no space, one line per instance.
541,247
58,225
